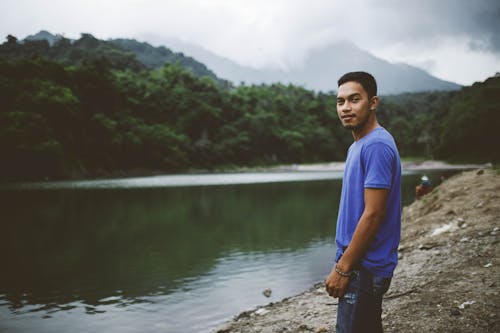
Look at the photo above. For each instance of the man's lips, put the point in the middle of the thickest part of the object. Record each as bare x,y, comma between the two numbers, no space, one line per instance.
347,116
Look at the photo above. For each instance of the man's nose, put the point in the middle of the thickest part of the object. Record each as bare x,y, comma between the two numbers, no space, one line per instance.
346,107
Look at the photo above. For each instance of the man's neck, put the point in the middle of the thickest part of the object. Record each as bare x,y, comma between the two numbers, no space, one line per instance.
358,134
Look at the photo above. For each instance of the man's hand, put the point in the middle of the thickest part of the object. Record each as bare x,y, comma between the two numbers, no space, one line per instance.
336,284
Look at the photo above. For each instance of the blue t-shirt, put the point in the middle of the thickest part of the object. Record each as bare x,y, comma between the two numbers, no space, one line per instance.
372,162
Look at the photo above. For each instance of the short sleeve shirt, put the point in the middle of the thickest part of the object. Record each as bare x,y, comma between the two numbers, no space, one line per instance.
372,162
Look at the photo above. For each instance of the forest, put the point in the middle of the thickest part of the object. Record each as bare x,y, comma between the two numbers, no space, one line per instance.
90,108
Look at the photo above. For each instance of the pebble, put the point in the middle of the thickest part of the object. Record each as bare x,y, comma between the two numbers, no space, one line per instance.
261,312
267,292
305,327
488,265
466,304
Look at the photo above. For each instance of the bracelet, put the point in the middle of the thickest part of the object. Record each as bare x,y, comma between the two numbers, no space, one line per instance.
344,274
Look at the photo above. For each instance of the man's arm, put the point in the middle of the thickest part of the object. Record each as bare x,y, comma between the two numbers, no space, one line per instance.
375,206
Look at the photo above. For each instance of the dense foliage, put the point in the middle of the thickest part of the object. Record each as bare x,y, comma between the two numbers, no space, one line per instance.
85,112
455,126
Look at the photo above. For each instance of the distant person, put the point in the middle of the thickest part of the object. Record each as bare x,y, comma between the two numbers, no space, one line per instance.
424,187
369,219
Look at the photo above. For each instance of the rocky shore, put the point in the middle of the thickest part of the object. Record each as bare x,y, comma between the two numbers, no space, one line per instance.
447,280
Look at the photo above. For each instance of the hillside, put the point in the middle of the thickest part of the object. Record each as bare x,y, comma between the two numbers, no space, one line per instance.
81,52
156,57
121,53
319,71
88,108
447,277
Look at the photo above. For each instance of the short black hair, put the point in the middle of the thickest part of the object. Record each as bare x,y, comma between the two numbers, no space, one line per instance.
365,79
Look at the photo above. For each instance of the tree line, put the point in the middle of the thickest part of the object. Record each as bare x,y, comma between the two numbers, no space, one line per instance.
98,111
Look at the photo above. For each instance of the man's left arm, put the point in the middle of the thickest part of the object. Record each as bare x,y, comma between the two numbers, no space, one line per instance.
368,225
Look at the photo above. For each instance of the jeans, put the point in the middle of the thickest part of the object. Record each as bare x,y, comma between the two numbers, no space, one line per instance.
360,309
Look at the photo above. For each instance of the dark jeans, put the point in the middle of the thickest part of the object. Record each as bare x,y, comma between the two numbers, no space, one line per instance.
360,309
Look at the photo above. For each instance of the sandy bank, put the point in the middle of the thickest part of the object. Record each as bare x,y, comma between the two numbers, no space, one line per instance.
406,165
448,278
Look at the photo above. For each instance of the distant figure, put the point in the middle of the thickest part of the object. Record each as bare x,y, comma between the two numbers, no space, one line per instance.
424,187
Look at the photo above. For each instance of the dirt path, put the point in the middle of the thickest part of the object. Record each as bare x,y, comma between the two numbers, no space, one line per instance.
448,277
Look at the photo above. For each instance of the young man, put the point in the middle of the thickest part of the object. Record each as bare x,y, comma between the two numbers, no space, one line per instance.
369,220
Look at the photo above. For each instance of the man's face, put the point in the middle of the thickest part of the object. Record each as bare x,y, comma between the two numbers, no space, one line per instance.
353,105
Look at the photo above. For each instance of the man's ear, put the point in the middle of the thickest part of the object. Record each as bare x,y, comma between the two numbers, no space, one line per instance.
373,103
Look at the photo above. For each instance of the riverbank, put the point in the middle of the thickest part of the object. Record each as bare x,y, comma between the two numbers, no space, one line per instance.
447,279
424,165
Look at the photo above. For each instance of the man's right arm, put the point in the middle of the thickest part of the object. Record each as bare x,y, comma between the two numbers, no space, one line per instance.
368,225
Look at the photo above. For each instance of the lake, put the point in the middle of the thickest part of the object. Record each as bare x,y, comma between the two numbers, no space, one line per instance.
180,253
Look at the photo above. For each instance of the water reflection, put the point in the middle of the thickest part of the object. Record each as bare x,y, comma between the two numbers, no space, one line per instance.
160,259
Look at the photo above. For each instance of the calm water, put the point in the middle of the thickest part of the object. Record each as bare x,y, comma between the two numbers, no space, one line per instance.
162,254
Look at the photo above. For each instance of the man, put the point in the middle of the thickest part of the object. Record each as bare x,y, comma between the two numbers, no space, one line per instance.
369,220
425,187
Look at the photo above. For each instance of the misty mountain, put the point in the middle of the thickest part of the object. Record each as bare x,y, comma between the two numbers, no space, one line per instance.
321,69
155,57
44,35
122,53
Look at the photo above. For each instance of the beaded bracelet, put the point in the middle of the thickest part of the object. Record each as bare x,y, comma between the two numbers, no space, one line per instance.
344,274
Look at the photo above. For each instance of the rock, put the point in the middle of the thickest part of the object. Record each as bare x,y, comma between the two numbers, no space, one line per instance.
427,246
226,328
305,327
466,304
488,265
480,172
267,292
261,312
455,312
321,329
443,228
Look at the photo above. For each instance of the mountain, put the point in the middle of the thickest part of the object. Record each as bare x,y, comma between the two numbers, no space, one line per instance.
320,70
44,35
85,50
121,53
154,57
324,65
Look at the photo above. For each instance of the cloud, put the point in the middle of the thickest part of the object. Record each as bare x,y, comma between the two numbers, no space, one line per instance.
279,33
433,20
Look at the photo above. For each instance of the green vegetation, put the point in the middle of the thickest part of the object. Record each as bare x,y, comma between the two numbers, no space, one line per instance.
455,126
89,108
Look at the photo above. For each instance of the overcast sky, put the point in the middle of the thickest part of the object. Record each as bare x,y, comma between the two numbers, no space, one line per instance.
456,40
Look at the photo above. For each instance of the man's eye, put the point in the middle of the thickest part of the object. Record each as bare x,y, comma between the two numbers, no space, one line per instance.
340,102
355,99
